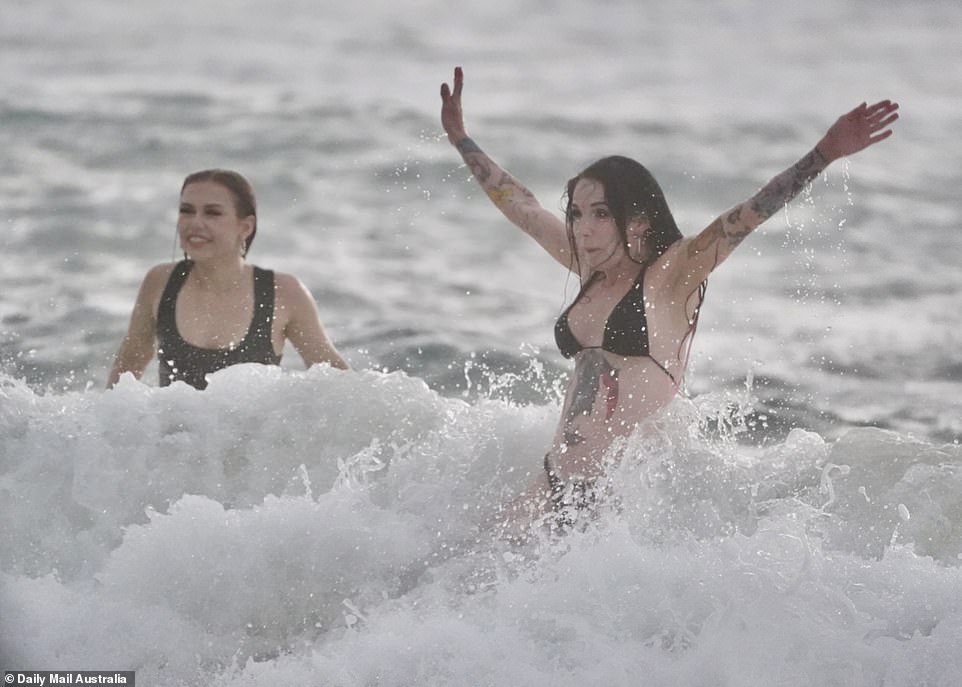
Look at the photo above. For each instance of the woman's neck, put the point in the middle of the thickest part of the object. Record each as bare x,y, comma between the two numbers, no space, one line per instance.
616,270
219,276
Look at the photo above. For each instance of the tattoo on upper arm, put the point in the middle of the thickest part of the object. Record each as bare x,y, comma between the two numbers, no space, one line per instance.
788,184
531,225
737,234
734,230
728,233
708,238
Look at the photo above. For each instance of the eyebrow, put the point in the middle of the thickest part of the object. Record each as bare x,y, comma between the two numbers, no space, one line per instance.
591,205
205,205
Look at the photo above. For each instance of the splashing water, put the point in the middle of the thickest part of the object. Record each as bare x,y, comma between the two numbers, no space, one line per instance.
341,527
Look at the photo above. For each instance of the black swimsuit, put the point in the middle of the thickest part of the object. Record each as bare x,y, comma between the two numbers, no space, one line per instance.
568,499
626,329
180,360
626,334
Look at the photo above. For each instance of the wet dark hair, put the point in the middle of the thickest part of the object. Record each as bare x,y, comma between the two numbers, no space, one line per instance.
630,192
245,204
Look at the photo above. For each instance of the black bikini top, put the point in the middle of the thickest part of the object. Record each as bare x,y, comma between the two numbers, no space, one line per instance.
181,360
626,329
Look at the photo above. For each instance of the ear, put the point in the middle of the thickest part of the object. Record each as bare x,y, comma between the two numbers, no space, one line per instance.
637,232
247,226
638,227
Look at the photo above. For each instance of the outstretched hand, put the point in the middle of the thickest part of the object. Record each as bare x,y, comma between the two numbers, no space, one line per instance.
857,130
452,117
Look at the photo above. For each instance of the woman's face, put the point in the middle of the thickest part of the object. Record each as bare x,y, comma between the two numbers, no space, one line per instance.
596,235
597,239
207,223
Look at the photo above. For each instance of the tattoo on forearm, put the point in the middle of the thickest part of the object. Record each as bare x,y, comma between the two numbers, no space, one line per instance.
724,235
499,195
479,169
511,197
466,145
503,191
788,184
476,163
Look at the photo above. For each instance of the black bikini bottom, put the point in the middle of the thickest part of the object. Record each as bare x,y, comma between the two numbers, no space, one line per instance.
571,501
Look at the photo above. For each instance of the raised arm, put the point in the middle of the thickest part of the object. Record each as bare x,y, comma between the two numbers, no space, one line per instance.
510,196
852,132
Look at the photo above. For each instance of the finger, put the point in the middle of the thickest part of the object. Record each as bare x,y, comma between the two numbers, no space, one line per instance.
887,121
883,117
883,105
881,112
881,136
445,92
458,81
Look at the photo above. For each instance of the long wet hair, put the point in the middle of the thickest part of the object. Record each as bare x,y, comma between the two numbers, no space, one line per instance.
245,204
630,192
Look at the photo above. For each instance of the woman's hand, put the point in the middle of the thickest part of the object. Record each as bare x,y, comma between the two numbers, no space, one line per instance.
860,128
508,194
452,117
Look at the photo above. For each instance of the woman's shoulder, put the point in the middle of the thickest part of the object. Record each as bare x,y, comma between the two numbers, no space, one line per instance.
672,267
158,275
283,280
279,277
289,289
153,285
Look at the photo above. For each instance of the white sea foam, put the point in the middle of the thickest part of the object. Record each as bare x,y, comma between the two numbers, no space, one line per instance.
289,527
284,527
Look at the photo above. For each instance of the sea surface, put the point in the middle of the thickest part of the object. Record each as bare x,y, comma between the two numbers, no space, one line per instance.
794,519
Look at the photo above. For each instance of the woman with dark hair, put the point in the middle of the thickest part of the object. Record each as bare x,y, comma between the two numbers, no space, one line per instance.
213,309
630,327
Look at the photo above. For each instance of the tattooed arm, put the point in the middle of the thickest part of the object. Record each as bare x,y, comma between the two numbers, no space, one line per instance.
510,196
860,128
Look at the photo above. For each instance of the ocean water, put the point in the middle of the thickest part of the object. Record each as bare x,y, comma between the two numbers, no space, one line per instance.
796,519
